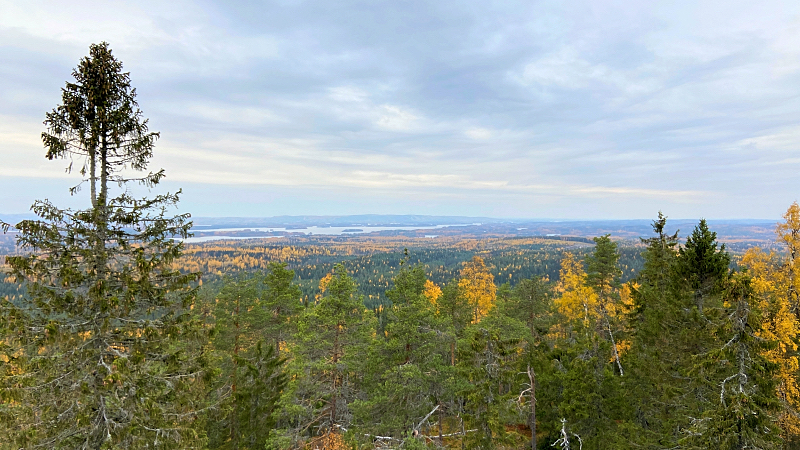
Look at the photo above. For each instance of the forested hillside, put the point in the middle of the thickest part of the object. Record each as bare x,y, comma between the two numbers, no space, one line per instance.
687,353
373,261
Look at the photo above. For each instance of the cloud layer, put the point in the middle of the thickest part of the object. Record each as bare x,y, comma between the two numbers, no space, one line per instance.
528,109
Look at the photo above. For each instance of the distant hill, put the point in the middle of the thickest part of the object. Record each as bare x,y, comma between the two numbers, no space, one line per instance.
339,221
737,234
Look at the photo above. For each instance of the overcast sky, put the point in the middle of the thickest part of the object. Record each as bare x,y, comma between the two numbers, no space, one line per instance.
554,109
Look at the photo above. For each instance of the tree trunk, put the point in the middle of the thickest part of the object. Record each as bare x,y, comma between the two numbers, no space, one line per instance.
101,207
93,175
335,396
440,424
532,379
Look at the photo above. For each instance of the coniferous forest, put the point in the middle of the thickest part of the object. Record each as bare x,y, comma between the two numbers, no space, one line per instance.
115,334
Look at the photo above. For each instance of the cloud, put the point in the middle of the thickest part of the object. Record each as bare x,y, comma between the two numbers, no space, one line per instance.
517,108
478,133
395,118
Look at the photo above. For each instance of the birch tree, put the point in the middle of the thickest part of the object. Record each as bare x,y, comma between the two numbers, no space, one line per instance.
603,276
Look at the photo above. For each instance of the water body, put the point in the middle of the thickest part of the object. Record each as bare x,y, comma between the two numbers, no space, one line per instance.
310,231
198,239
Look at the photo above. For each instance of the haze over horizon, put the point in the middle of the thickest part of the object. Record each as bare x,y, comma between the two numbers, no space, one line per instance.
511,110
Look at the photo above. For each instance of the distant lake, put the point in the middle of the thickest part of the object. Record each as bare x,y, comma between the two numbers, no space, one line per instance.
315,230
198,239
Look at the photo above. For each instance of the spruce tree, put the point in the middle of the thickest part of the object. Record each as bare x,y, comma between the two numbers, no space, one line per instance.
700,277
743,411
654,278
655,358
702,267
113,353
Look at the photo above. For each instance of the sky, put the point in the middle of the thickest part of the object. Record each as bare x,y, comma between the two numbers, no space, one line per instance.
533,109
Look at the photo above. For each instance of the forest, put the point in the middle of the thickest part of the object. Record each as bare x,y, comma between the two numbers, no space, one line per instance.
116,334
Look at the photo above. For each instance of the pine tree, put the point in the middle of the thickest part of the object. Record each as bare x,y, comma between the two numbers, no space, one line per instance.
252,377
332,336
281,300
530,302
489,357
455,311
114,355
405,369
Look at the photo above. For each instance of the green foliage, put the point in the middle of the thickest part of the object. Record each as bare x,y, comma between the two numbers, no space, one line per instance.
113,355
601,267
251,374
332,337
405,372
281,301
373,266
743,414
489,361
656,358
701,266
103,344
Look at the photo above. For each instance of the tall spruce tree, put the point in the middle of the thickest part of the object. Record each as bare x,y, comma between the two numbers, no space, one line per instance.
654,358
742,414
113,354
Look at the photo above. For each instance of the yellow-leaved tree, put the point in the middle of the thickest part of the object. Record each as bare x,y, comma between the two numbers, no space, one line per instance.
432,292
477,283
576,301
789,234
774,279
